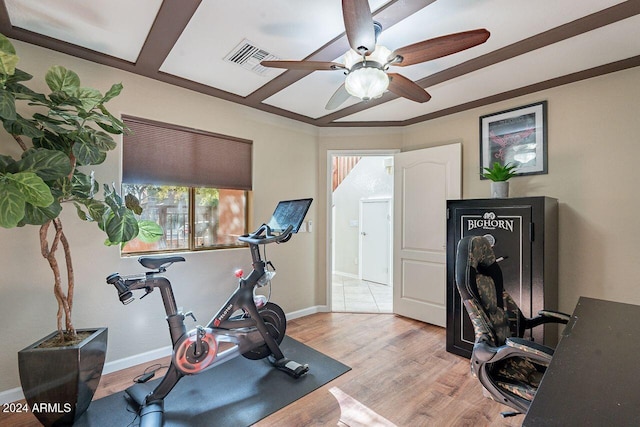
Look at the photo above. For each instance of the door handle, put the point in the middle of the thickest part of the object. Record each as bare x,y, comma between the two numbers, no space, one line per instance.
363,233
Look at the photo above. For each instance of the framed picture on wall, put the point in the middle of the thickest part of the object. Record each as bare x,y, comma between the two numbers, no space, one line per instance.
517,136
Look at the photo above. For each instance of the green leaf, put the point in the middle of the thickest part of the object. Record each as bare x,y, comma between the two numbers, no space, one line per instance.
60,188
103,141
7,164
112,198
83,185
33,189
89,98
8,57
63,98
59,79
53,141
19,76
107,242
54,125
81,213
112,92
498,172
120,226
132,203
109,128
12,204
47,164
22,126
114,120
95,210
149,231
88,154
20,91
7,105
37,215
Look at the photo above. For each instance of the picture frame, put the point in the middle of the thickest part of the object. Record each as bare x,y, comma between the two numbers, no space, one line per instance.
517,136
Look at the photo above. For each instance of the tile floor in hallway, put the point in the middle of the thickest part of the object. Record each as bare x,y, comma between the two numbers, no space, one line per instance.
353,295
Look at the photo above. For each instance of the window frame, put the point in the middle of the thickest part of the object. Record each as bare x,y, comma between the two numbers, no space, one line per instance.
243,186
192,224
191,215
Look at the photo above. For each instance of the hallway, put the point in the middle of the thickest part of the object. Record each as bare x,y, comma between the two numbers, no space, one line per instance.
358,296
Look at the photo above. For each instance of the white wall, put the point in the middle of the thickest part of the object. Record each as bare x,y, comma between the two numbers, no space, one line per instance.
285,166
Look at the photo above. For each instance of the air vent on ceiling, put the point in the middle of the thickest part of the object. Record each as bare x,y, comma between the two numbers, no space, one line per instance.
248,56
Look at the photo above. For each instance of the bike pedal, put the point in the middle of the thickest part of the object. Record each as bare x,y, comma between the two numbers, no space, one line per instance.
302,370
291,367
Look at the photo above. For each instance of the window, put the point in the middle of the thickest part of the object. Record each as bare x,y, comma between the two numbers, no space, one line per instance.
193,183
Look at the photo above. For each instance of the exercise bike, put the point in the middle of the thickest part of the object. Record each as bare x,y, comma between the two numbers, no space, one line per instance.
254,333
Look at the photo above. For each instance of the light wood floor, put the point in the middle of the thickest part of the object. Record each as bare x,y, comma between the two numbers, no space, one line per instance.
401,375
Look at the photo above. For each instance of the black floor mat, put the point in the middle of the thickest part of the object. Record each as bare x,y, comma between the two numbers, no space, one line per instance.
239,392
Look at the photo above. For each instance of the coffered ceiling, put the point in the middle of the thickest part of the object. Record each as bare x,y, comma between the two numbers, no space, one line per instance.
214,47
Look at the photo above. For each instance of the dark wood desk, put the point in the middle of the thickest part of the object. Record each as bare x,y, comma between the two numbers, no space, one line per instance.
594,376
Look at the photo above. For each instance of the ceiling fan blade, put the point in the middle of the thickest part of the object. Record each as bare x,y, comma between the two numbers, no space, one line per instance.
338,98
358,23
440,46
402,86
303,65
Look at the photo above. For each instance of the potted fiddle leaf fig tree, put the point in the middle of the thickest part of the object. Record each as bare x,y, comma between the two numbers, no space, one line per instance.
59,136
499,176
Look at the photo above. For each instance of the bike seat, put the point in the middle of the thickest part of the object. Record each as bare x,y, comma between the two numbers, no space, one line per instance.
158,262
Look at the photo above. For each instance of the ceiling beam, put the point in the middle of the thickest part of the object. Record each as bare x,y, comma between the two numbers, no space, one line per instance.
171,20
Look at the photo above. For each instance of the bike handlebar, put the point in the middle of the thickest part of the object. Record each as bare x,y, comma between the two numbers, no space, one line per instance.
258,238
125,295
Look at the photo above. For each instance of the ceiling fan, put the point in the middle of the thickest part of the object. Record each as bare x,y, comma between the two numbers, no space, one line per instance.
366,64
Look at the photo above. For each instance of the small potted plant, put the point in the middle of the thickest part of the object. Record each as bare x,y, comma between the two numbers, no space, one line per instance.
69,129
499,175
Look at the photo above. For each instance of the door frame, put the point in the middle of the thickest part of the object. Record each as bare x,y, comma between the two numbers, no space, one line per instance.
329,212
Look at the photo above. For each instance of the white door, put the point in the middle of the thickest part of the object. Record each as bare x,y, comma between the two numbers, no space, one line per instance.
424,180
375,240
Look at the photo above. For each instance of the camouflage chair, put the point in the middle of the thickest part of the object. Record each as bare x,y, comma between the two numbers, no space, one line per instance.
508,366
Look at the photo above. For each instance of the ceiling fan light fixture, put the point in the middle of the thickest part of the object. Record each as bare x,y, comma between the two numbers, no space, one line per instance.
366,83
380,55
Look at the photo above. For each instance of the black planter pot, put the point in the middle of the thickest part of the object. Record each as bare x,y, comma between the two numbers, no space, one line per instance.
59,383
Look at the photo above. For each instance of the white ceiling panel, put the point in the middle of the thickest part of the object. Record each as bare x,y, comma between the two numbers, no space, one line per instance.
118,28
309,95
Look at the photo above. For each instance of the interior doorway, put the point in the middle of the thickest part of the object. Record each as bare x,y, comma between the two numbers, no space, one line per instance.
361,197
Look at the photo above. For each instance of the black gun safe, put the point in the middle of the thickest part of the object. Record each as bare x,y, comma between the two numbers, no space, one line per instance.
525,232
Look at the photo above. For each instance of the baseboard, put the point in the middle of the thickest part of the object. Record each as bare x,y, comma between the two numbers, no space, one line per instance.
349,275
15,394
138,359
307,311
11,395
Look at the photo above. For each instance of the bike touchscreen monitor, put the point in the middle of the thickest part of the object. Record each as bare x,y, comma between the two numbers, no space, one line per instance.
289,212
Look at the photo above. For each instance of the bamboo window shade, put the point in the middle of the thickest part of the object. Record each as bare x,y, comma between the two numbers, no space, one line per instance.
164,154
